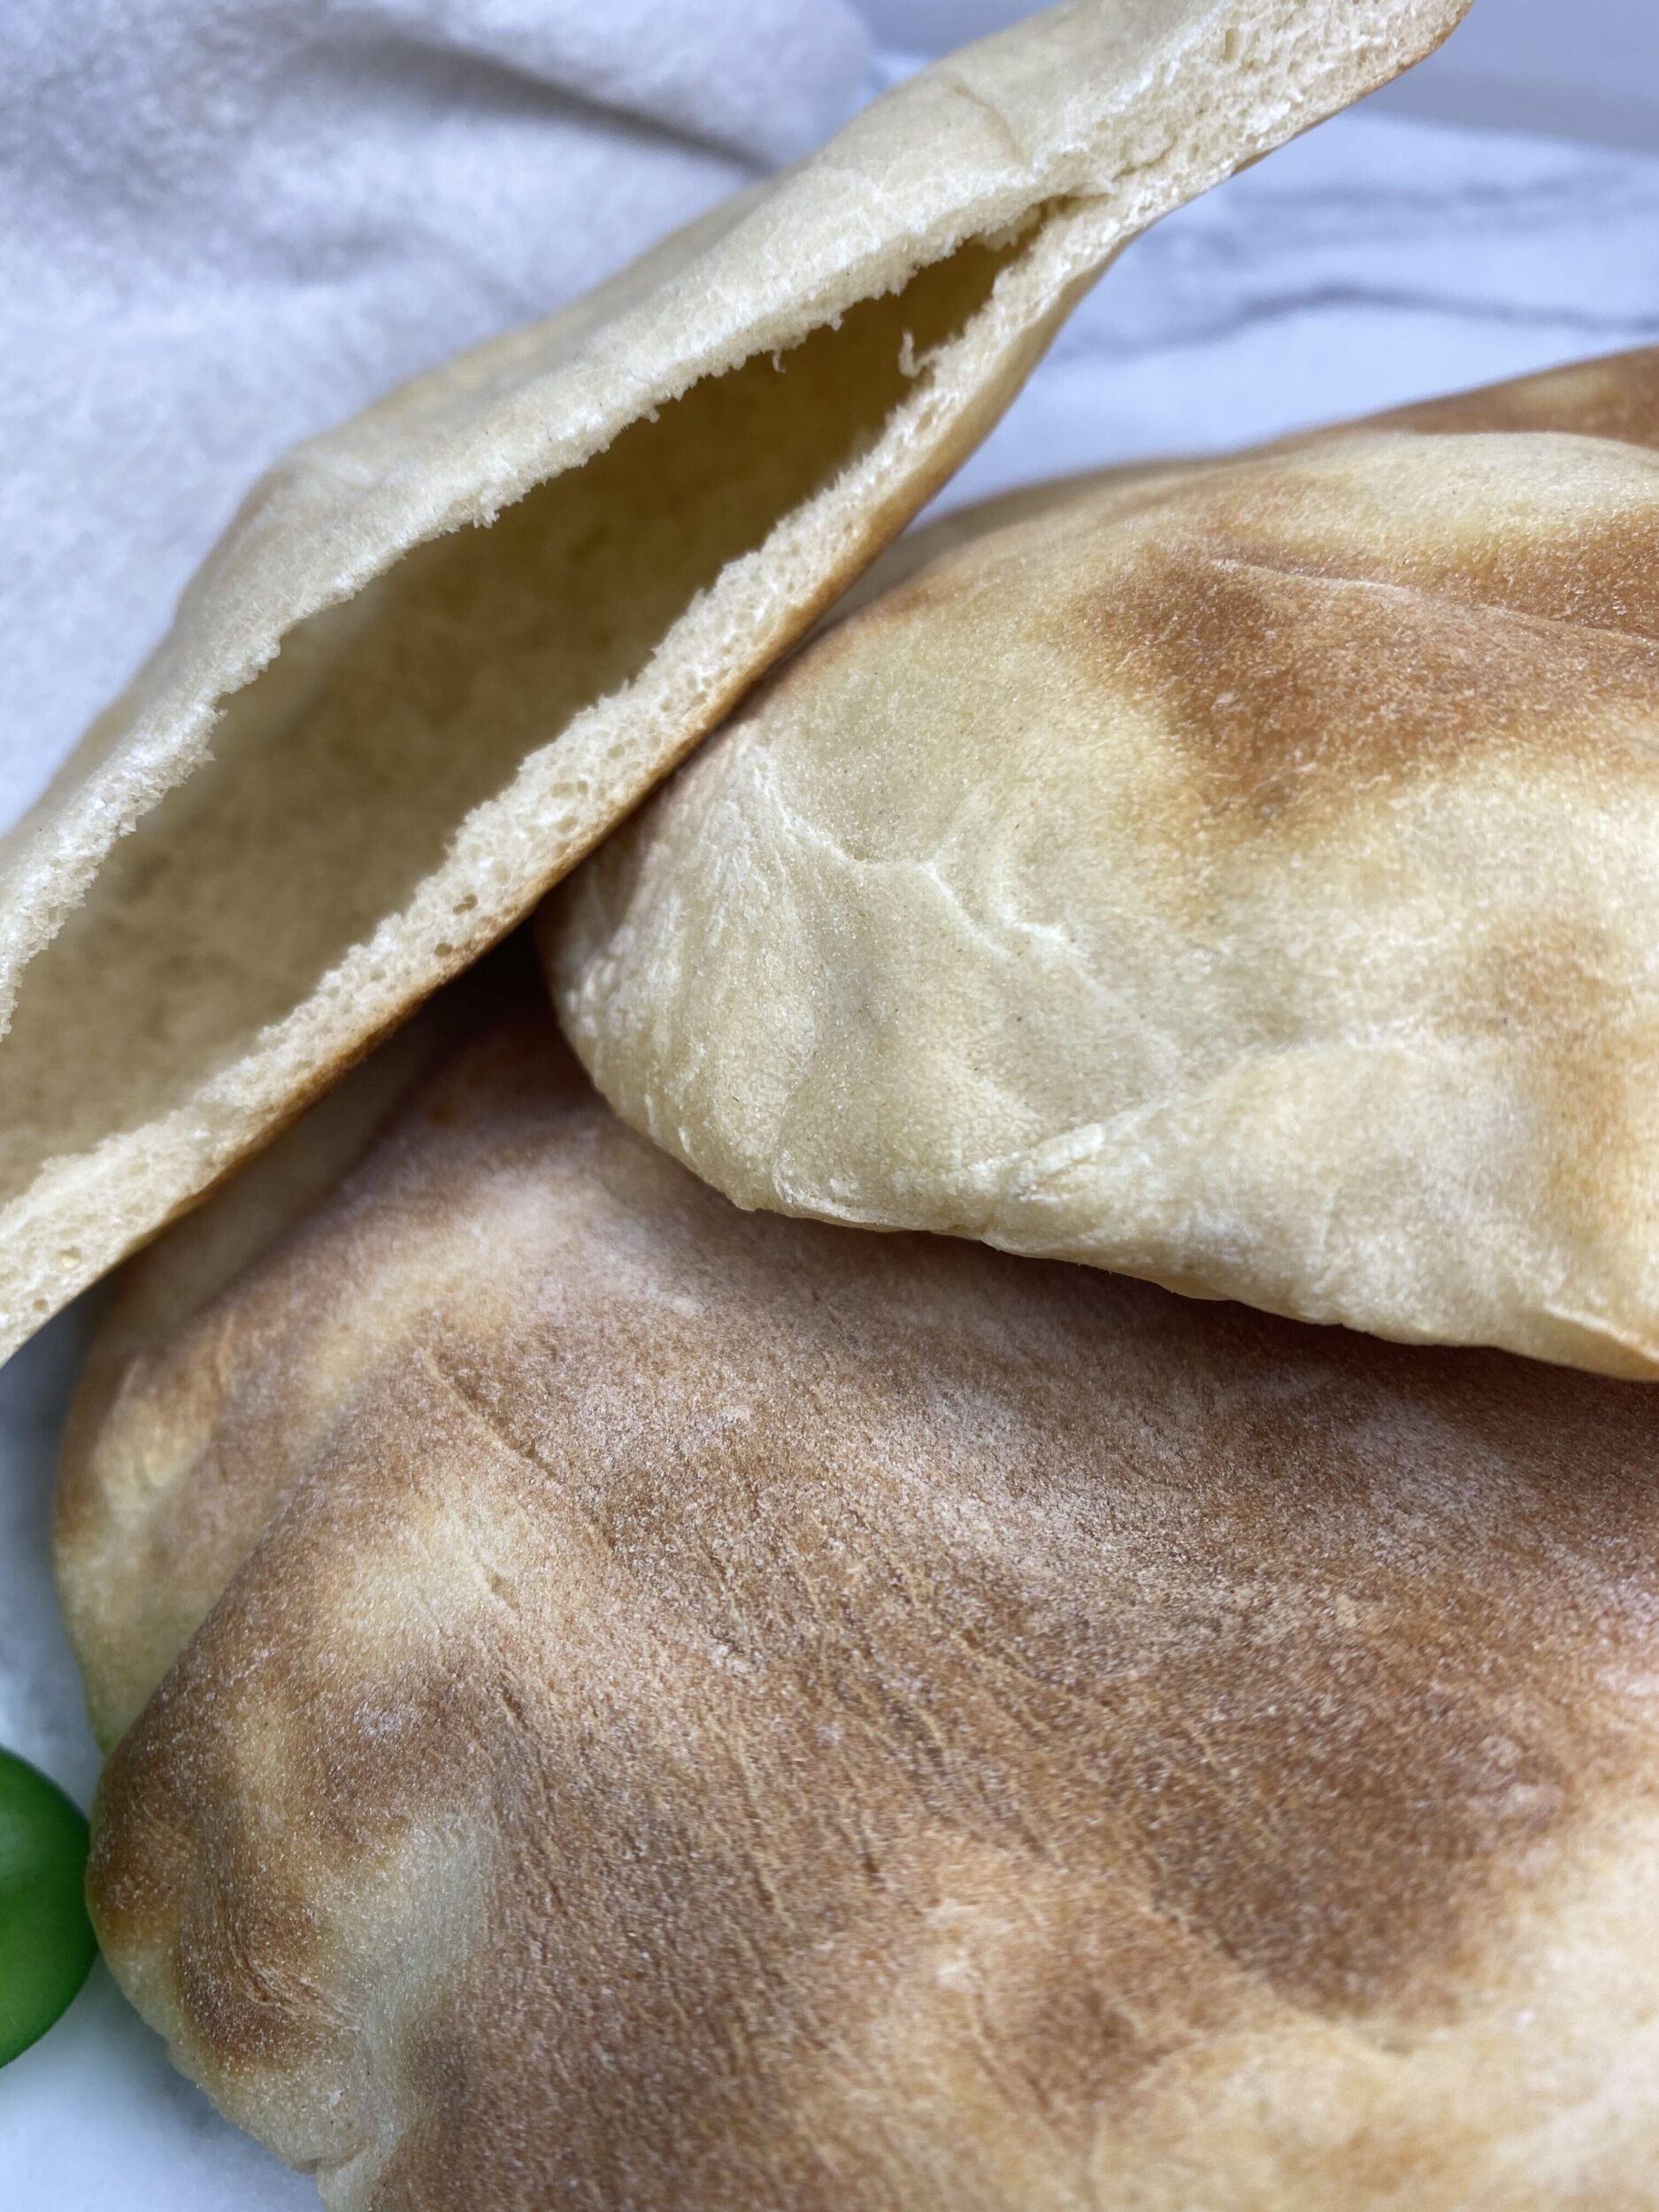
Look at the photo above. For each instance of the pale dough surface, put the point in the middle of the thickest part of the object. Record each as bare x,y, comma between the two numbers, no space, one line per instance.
1245,877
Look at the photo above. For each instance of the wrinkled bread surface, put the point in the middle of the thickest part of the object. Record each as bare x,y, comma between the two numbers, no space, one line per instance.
630,1703
1246,877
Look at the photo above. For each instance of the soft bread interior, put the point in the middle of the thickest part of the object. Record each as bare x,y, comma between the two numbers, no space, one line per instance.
339,778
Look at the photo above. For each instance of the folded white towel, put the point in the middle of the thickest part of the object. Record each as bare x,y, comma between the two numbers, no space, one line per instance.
227,223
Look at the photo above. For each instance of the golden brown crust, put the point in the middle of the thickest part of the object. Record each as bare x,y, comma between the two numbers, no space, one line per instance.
699,1710
1245,628
1245,881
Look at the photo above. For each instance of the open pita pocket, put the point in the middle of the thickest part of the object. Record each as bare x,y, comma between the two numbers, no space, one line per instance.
378,730
1247,880
630,1702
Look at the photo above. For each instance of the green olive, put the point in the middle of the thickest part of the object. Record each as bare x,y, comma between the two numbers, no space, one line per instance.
46,1941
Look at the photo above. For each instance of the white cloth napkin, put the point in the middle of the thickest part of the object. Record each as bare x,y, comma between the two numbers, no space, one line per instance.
225,224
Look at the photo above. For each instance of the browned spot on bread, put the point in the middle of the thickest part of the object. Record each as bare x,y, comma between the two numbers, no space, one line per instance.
1600,575
842,1665
1304,669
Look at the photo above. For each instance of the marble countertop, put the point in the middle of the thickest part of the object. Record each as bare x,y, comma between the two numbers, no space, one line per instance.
1375,260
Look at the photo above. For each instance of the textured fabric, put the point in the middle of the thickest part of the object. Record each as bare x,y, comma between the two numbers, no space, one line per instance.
227,223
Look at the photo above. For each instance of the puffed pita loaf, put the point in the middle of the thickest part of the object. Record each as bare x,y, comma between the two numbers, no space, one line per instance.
260,859
632,1704
1248,879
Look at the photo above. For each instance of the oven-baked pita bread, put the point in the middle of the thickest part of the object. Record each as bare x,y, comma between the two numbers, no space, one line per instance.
378,730
1246,879
632,1704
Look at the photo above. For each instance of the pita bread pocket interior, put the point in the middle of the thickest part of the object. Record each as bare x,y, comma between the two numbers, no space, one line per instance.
379,729
1248,879
630,1702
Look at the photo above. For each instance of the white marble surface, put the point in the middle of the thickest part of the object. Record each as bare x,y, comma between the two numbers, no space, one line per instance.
1377,260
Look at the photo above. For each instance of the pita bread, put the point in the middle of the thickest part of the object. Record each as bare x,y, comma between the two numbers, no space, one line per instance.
379,730
1247,880
628,1702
